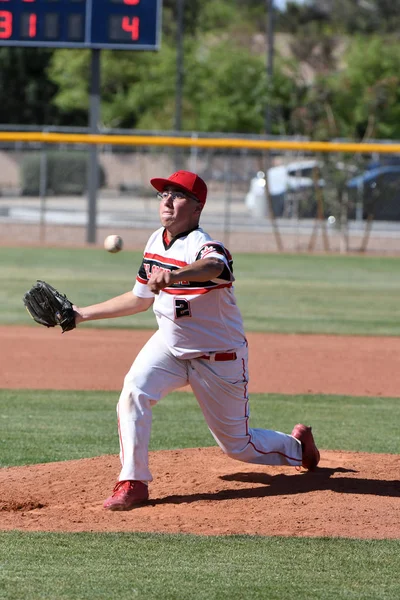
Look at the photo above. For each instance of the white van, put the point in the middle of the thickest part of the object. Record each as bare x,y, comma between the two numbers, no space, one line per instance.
293,177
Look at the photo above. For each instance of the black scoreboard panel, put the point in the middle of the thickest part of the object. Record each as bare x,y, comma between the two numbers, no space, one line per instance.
123,24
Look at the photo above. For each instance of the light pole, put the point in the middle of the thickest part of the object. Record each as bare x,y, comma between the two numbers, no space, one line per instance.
270,61
179,65
179,78
268,118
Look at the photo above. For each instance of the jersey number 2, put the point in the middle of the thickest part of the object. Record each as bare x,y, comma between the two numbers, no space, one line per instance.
182,308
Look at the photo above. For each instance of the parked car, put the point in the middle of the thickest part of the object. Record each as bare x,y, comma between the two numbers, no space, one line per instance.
377,192
285,182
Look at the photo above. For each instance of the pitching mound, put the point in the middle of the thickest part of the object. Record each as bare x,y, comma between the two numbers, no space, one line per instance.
202,491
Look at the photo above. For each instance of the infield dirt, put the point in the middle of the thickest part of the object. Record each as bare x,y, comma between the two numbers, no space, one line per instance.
200,490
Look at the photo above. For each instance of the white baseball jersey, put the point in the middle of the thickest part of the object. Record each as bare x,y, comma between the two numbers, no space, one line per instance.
195,320
190,324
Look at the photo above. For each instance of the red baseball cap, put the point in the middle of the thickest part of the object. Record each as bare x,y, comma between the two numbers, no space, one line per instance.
186,181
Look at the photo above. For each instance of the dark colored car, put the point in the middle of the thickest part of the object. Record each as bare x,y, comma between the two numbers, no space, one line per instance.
377,192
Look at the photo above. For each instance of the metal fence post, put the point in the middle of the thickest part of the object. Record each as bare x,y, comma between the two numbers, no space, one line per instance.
43,192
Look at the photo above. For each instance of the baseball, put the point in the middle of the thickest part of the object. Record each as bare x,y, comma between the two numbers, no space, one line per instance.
113,243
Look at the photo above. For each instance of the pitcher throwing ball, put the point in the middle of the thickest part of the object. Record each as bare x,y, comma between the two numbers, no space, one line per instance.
187,278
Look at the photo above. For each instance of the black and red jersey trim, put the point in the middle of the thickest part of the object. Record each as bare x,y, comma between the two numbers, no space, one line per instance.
212,247
153,262
188,288
192,291
162,261
167,244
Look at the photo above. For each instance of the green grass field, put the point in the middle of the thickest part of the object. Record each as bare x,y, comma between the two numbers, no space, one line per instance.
280,293
48,426
45,426
313,294
186,567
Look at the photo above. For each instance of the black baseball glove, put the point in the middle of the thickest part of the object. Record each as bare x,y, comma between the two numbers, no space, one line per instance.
48,307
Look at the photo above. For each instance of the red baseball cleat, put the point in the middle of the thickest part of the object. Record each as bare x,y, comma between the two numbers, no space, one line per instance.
126,495
311,455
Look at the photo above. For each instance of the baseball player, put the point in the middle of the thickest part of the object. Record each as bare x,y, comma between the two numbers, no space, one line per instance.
187,277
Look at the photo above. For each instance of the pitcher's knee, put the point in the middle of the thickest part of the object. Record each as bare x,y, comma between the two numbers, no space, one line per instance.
236,451
134,402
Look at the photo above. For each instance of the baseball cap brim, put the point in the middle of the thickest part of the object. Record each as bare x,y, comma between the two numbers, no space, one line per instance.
159,183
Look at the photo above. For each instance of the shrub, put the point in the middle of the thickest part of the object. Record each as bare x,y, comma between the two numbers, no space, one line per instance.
66,173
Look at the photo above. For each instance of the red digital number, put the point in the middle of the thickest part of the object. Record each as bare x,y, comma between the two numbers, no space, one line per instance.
131,25
32,25
133,2
5,24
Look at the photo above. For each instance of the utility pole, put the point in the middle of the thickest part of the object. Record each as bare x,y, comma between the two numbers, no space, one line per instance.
93,170
179,78
179,65
270,61
268,118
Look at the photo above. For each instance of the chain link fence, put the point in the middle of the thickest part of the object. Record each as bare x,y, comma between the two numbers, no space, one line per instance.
287,200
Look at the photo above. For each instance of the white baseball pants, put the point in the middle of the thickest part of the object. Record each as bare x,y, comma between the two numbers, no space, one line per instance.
221,391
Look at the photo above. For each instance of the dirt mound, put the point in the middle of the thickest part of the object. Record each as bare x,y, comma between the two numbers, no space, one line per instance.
202,491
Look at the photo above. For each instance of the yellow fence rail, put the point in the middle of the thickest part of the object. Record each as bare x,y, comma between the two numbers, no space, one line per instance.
144,140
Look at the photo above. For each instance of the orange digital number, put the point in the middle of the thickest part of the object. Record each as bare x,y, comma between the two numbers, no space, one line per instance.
131,25
5,24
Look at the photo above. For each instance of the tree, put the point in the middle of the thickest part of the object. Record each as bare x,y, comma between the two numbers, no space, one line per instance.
26,93
352,16
360,102
225,88
366,96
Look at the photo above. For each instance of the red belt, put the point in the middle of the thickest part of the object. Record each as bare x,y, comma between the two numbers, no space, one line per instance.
220,356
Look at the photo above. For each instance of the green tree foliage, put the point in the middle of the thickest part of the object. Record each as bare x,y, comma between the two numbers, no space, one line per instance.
225,87
203,16
360,102
366,95
69,70
345,16
26,93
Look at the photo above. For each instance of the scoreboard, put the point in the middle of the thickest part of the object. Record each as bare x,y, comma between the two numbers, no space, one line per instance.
113,24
